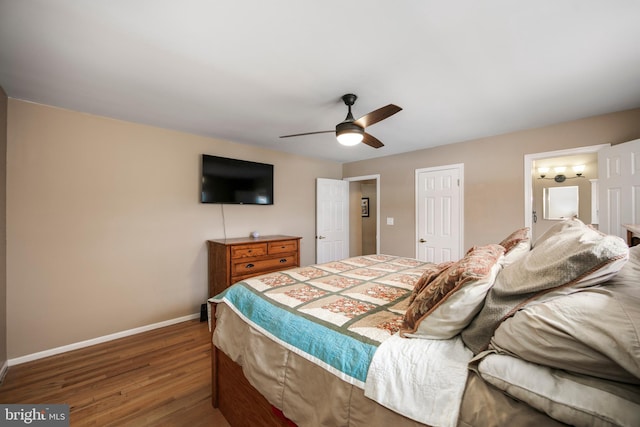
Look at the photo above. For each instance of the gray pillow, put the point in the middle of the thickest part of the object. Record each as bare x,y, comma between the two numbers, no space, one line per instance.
594,331
569,255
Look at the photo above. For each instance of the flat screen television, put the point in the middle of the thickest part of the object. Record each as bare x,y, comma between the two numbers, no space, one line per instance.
233,181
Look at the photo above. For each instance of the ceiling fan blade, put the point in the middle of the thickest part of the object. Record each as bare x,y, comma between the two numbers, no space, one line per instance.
308,133
371,141
377,115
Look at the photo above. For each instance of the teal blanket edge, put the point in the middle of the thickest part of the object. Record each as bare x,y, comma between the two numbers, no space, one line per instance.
342,352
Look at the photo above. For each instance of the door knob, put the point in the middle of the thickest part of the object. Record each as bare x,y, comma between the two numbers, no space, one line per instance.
321,237
423,241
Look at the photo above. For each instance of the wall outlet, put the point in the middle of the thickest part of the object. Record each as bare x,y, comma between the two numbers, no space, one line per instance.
389,220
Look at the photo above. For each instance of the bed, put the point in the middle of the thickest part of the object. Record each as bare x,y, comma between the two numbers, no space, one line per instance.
514,333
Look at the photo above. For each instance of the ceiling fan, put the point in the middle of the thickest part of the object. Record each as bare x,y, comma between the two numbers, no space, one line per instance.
350,131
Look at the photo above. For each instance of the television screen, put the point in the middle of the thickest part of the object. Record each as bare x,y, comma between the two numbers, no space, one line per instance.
233,181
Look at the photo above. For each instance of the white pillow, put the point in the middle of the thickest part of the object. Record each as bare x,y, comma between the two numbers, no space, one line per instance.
518,251
450,318
446,304
572,399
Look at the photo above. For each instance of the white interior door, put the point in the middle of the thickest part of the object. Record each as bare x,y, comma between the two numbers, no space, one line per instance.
619,187
332,220
439,218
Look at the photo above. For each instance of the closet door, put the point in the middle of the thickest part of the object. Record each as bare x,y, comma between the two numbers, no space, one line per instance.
439,213
619,187
332,220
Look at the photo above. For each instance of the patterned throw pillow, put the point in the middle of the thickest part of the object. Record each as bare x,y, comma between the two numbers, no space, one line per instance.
448,302
513,239
427,277
516,245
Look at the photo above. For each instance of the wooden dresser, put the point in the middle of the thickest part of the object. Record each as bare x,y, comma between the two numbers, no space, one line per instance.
232,260
633,234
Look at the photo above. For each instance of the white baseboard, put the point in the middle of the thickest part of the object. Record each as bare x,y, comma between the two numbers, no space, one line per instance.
99,340
3,370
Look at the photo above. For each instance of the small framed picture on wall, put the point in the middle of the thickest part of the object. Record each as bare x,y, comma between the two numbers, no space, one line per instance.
365,206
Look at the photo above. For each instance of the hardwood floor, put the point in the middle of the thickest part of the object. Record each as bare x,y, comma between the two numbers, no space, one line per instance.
156,378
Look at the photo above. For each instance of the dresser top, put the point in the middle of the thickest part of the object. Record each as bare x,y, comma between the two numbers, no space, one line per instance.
237,240
634,228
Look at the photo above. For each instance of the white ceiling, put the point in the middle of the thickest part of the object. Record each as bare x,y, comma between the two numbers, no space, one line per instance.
251,70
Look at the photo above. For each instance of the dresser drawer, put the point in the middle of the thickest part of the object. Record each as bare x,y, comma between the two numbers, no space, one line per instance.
265,265
283,247
250,250
235,259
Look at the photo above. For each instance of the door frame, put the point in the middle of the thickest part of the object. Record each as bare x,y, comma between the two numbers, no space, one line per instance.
460,168
528,176
375,177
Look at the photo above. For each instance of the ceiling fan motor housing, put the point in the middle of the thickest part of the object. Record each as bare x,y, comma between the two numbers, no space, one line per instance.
349,99
348,127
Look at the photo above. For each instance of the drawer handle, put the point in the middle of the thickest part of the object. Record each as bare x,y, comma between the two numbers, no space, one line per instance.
250,266
283,260
250,250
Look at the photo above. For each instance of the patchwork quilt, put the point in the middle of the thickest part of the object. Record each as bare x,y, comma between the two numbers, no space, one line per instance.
334,314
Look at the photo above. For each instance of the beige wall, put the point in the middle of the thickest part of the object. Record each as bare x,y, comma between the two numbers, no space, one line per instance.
3,227
105,232
369,223
355,218
494,176
362,230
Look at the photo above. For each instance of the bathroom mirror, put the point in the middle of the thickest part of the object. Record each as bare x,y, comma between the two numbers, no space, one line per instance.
560,202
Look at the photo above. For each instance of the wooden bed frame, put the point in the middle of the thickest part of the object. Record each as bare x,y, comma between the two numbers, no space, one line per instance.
240,403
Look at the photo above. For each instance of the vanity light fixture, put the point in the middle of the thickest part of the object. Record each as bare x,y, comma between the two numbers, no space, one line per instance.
543,172
559,170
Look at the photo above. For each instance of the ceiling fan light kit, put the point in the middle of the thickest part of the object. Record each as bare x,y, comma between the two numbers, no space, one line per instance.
351,132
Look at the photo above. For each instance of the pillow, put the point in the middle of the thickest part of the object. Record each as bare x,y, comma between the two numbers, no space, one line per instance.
572,399
447,304
515,245
513,239
569,255
427,277
594,331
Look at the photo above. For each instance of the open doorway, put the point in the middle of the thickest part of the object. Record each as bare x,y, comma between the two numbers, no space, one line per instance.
364,210
541,178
